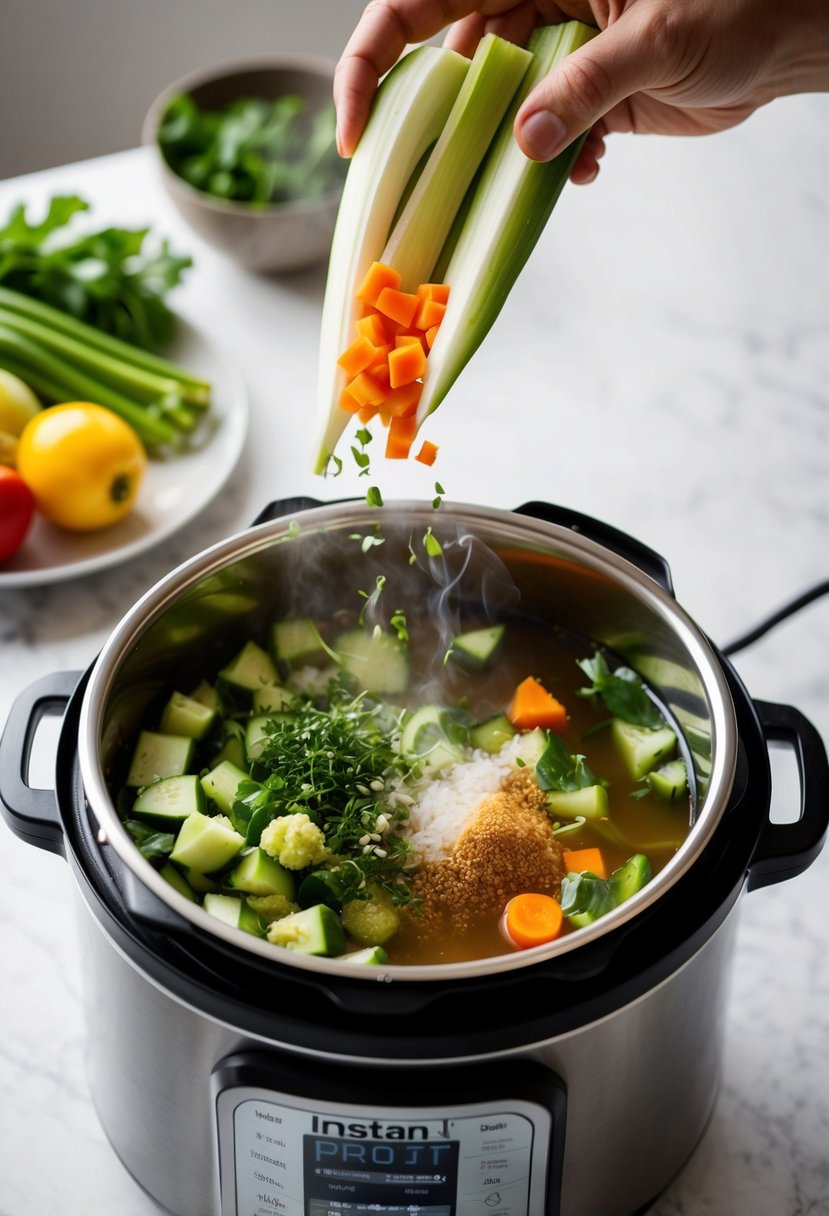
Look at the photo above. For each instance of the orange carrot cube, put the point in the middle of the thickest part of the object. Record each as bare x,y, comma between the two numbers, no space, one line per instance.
367,412
431,334
357,357
402,402
366,389
533,706
401,434
429,313
406,363
439,292
349,402
427,453
378,279
576,861
401,306
372,327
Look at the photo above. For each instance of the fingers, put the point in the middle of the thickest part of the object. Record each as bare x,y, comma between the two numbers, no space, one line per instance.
586,85
586,168
383,32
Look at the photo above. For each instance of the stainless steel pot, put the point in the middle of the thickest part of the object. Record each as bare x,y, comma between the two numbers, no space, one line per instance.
573,1080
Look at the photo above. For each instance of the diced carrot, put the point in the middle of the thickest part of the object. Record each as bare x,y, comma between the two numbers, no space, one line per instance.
373,328
357,357
402,402
431,334
404,339
367,412
577,861
427,453
379,372
366,389
532,919
406,363
349,402
429,313
533,706
401,306
439,292
401,433
413,335
378,279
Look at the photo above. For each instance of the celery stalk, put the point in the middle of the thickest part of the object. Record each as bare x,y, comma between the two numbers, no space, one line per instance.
410,110
512,201
419,234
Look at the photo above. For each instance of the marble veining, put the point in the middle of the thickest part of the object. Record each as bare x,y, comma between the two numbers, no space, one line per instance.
662,364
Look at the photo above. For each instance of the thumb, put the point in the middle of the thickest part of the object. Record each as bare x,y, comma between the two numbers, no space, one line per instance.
583,87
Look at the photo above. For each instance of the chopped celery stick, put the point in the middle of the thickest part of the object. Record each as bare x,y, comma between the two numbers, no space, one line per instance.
419,234
512,201
409,113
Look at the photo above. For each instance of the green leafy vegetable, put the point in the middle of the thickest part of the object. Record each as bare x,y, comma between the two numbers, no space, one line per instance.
557,769
151,842
253,151
622,692
585,897
109,279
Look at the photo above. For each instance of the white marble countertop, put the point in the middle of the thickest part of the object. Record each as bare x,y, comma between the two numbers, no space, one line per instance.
663,365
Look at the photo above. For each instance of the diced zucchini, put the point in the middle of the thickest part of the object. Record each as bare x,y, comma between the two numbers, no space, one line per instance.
207,694
531,746
256,733
271,699
314,930
221,784
206,843
234,912
591,802
475,649
178,882
321,887
371,922
200,882
670,781
642,749
249,669
378,661
186,716
630,878
370,956
492,734
159,755
170,800
232,745
431,735
259,874
296,641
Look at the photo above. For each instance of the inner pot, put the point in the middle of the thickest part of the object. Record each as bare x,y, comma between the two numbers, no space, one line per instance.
316,562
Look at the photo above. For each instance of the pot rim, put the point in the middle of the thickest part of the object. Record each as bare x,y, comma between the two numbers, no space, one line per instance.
245,544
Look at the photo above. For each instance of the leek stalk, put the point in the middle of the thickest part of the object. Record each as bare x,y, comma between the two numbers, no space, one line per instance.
512,201
410,111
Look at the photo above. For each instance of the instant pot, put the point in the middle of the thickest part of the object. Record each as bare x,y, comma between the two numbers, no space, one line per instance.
574,1079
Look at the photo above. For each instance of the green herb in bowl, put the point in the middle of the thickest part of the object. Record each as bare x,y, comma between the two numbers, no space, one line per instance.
253,150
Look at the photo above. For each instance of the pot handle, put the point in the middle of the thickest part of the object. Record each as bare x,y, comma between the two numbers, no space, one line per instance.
286,506
32,814
648,560
785,850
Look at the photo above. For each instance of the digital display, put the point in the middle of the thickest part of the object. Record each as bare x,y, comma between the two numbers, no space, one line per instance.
352,1175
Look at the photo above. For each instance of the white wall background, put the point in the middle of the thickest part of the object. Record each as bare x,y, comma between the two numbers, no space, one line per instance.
77,76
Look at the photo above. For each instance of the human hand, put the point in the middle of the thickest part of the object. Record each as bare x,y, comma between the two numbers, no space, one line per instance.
667,67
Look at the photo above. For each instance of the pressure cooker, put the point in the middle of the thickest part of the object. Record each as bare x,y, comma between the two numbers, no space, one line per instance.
575,1079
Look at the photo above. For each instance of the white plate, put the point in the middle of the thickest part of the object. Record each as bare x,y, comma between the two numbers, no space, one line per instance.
172,493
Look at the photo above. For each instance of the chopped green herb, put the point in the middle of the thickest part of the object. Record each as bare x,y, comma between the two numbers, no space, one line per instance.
373,497
431,544
557,769
621,691
399,625
337,466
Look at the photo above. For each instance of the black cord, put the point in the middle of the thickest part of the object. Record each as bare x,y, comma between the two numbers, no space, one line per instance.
776,617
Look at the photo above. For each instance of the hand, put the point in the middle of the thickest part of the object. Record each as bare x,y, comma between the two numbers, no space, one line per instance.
666,67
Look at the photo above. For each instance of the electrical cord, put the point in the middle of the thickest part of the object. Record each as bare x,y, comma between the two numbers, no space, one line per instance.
789,609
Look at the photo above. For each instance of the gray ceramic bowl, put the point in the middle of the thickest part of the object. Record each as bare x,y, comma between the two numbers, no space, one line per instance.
277,237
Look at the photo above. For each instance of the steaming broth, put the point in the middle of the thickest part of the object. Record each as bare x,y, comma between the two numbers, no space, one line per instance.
348,843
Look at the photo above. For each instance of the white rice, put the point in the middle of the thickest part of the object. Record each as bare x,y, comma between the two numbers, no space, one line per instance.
442,807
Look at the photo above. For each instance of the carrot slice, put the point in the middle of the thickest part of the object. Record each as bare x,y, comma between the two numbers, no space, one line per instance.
406,363
427,453
533,706
357,357
401,434
577,861
429,313
401,306
532,919
379,278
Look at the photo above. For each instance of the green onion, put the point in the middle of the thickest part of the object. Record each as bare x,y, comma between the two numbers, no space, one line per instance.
421,231
512,201
410,111
63,359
